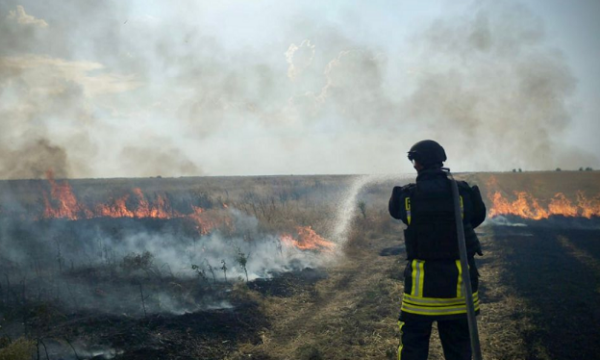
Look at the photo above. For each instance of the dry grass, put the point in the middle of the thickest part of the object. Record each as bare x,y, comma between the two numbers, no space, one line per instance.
541,184
20,349
352,314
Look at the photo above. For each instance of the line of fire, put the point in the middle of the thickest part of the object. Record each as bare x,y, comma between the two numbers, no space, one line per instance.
61,203
113,268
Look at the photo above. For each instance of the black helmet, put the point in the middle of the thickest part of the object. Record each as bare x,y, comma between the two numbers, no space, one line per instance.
427,153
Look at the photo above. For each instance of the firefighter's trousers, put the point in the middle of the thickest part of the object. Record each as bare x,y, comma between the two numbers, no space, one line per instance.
415,333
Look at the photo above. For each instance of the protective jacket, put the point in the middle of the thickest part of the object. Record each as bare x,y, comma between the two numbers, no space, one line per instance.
433,283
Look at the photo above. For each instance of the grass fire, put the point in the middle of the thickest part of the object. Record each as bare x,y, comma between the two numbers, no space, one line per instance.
234,180
224,267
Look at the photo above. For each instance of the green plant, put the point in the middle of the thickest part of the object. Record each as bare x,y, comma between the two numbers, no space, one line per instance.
363,209
133,261
242,259
224,268
212,272
200,272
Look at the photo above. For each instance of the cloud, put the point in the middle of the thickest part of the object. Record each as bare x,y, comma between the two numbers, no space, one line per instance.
299,57
46,71
21,17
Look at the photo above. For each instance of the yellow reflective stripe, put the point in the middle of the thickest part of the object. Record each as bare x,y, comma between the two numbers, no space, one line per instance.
407,207
459,282
434,301
413,274
400,325
428,306
437,301
421,274
418,277
475,294
437,308
435,311
462,208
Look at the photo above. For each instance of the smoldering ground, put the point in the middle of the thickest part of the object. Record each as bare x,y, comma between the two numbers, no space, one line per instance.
109,265
109,285
105,87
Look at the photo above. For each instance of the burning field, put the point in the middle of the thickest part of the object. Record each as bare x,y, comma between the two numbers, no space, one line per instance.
279,267
162,252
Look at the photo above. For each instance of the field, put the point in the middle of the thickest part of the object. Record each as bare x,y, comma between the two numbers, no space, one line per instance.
281,267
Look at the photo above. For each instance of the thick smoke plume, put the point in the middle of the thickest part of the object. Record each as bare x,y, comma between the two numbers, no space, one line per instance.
100,89
492,80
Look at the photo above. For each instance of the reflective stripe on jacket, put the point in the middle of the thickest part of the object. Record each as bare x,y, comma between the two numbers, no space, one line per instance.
434,288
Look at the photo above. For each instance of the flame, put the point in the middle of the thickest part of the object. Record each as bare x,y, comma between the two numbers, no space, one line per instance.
115,210
63,204
589,207
527,206
307,239
206,221
560,205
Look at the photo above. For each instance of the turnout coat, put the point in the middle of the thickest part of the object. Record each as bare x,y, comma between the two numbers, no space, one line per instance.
432,276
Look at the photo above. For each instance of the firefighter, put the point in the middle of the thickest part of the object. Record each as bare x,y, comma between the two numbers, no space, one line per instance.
433,284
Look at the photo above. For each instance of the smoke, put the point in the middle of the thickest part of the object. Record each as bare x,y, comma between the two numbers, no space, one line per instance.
266,255
496,86
58,112
100,89
106,265
158,159
32,160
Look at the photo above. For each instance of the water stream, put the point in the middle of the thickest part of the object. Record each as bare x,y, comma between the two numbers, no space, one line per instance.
349,205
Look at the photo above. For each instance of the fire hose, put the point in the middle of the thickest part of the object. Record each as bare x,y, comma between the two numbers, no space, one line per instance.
466,280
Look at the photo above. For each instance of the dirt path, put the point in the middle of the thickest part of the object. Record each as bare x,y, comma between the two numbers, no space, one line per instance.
352,314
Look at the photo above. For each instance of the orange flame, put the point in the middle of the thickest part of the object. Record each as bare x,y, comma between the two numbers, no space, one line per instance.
63,204
589,207
560,205
527,206
307,239
207,221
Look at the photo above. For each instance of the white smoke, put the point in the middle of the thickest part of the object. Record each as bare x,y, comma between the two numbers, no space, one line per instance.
95,89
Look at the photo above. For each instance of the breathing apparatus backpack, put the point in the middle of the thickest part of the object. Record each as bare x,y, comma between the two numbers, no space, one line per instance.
431,232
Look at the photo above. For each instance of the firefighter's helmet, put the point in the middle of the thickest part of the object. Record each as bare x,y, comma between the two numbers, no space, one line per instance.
427,152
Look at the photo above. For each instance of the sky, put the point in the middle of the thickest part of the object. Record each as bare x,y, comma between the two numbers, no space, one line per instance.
101,89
